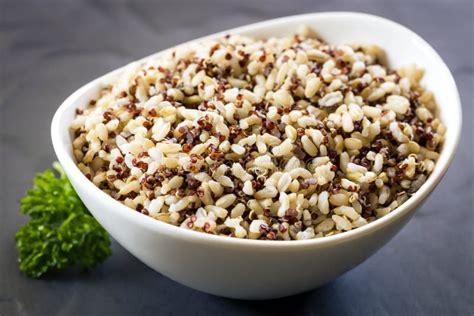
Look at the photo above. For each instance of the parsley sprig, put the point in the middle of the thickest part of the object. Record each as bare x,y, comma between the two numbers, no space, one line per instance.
61,232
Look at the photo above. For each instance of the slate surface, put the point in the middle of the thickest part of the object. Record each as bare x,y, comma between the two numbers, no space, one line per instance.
50,48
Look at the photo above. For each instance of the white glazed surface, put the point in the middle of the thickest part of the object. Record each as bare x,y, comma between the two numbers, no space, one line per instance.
255,269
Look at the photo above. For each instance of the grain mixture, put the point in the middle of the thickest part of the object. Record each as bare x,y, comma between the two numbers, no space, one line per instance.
278,139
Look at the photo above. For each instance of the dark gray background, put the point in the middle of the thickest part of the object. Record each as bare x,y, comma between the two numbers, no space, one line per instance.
50,48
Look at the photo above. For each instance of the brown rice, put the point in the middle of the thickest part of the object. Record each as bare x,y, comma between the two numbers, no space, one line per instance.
281,139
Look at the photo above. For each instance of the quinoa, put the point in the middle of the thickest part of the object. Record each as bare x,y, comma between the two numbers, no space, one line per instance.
279,139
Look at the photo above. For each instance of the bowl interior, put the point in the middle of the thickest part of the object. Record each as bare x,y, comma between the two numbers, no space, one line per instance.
401,46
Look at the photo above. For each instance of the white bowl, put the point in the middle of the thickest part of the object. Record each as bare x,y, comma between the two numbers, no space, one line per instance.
255,269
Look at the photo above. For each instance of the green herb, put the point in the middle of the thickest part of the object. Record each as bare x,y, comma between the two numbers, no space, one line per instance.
61,232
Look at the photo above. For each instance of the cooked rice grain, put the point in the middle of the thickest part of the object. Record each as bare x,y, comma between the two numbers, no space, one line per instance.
276,139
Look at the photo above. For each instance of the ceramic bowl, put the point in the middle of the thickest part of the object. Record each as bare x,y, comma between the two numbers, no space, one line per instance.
256,269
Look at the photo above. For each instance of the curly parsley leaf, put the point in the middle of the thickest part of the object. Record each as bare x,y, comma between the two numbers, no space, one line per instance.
61,232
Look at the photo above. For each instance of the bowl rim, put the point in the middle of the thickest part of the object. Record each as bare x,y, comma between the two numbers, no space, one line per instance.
446,155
